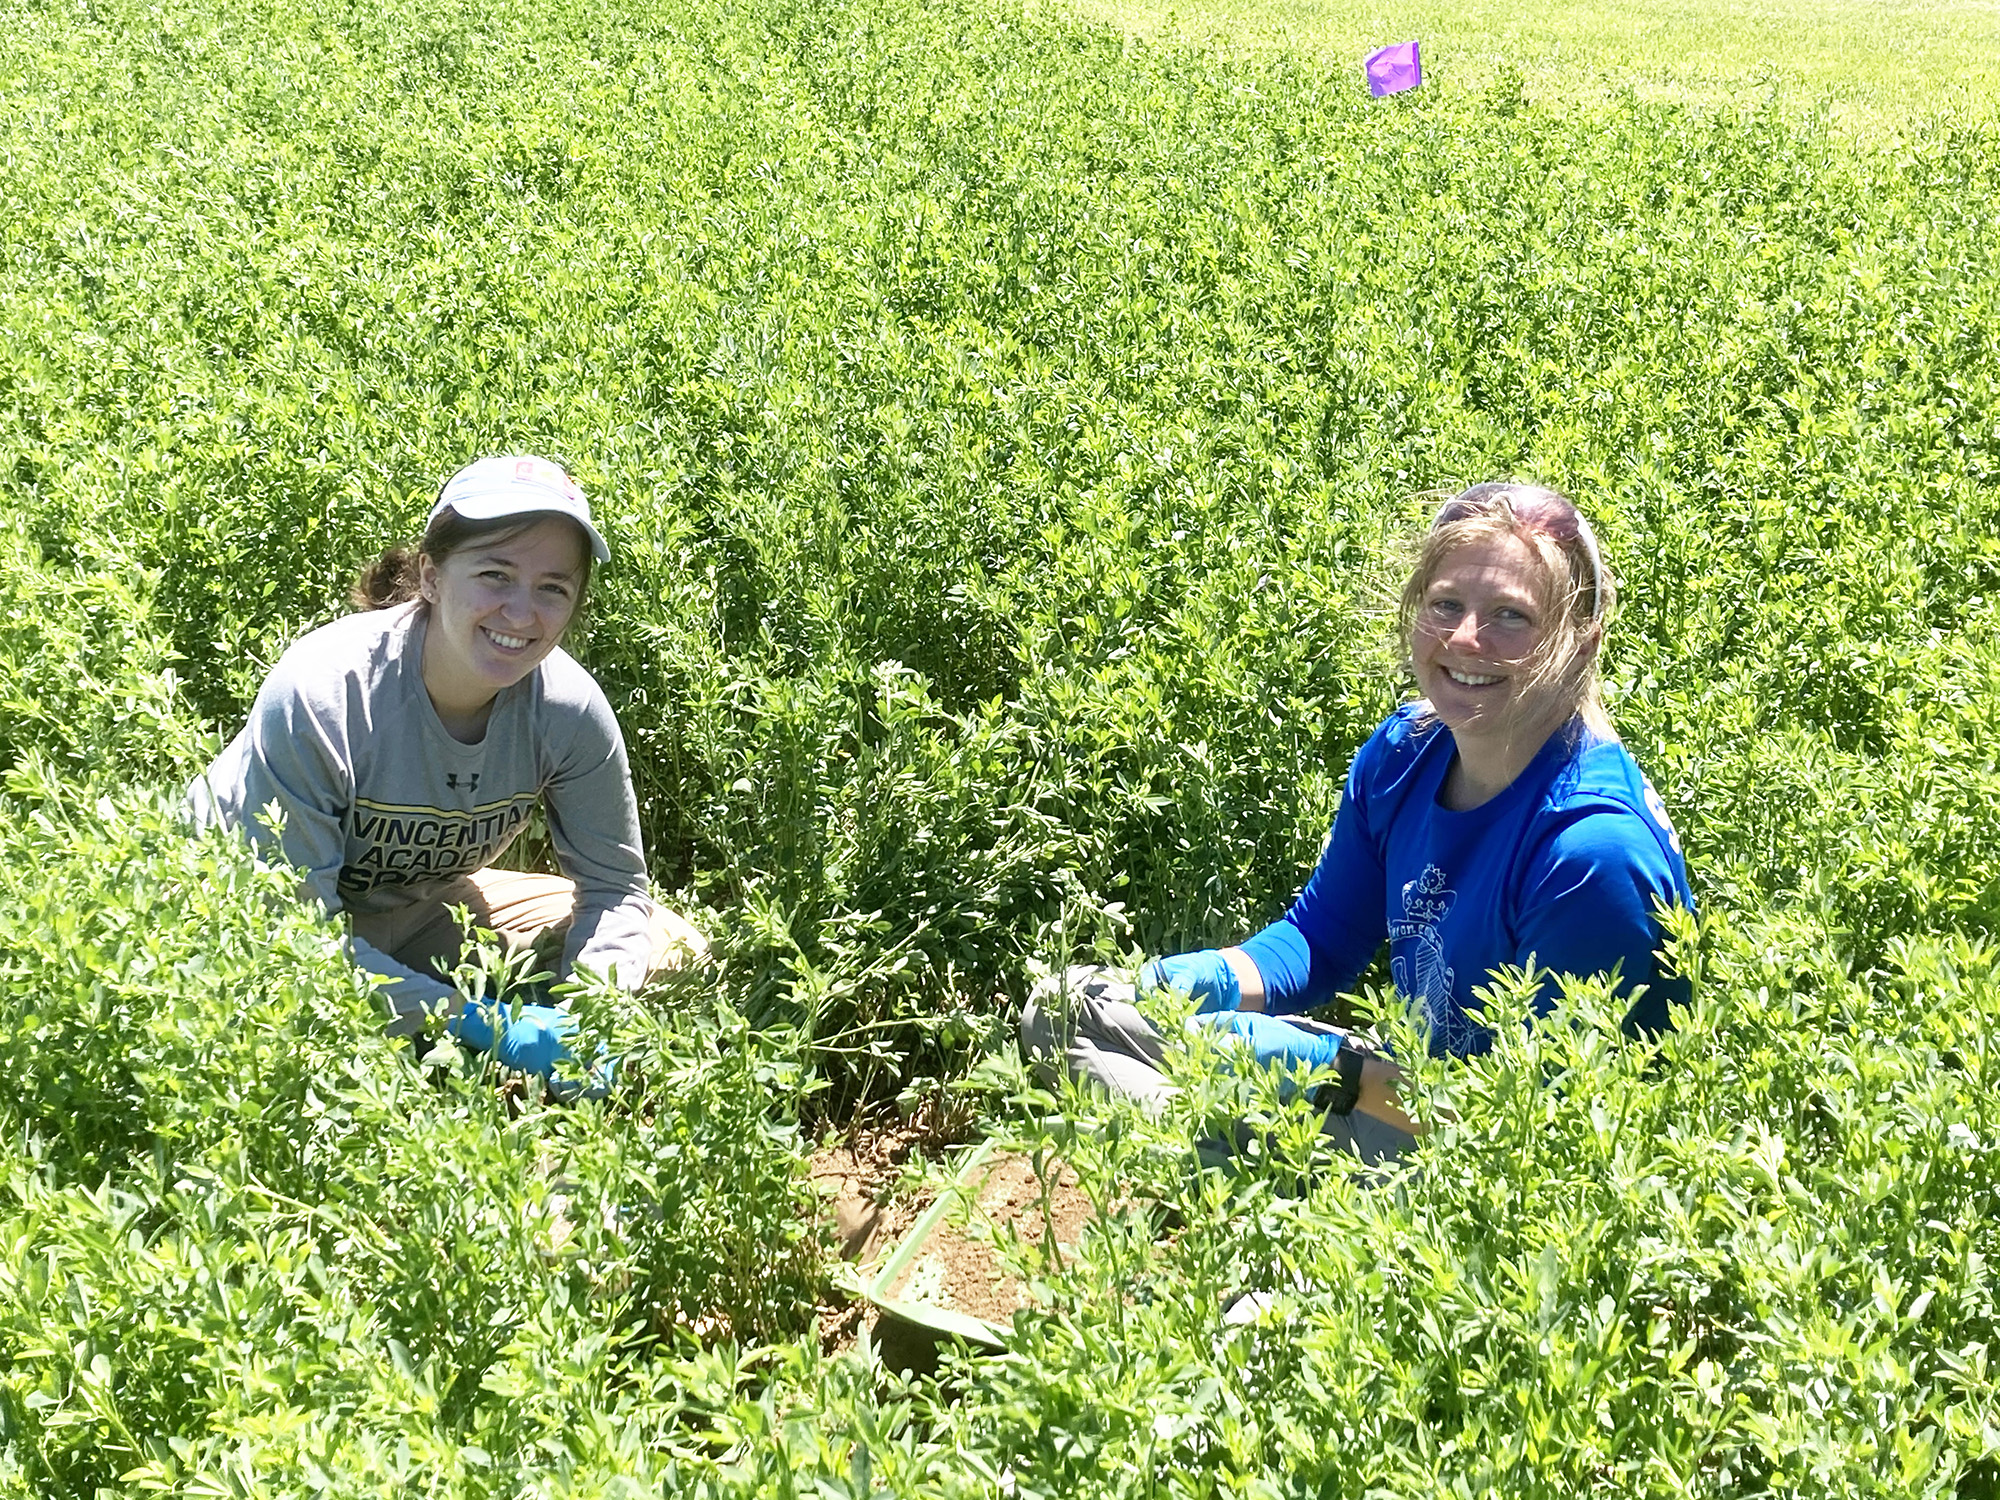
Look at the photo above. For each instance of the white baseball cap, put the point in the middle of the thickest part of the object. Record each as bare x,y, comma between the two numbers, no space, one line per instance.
517,484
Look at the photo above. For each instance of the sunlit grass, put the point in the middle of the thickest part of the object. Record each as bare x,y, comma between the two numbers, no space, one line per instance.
1869,64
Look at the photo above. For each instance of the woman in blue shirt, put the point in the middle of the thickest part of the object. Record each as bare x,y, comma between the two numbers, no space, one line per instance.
1496,822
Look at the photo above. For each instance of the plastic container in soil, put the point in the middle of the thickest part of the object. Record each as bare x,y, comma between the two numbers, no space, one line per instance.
944,1275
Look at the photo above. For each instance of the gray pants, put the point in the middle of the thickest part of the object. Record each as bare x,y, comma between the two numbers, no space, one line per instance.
1086,1019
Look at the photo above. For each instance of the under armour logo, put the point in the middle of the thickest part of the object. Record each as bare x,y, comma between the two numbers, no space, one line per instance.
471,780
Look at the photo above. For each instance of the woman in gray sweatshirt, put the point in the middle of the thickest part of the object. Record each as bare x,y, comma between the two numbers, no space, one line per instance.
405,746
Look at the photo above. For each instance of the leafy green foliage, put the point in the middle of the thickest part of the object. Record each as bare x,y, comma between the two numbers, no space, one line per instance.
1005,432
1741,1266
241,1235
87,680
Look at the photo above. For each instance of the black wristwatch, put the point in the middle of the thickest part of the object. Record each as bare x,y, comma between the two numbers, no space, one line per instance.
1340,1098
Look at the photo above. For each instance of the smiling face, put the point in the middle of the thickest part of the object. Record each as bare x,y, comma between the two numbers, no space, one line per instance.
1474,640
499,605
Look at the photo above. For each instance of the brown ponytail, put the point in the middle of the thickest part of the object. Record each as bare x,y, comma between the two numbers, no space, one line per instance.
389,580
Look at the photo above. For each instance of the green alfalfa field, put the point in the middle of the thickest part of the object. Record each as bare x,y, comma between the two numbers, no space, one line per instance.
1008,423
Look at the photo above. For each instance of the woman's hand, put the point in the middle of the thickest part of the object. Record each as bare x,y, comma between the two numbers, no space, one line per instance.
1378,1095
1219,980
1278,1043
1206,976
534,1041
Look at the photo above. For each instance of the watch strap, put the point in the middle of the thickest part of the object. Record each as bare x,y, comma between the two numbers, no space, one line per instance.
1340,1097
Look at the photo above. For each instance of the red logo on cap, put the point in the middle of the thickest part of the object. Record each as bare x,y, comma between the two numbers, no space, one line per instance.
525,469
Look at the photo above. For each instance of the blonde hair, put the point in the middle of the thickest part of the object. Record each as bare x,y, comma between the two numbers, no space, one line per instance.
1575,589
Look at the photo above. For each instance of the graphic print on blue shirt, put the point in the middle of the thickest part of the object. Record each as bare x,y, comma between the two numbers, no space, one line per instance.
1563,870
1417,958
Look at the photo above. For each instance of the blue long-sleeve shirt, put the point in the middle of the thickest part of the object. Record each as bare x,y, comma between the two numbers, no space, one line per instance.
1563,870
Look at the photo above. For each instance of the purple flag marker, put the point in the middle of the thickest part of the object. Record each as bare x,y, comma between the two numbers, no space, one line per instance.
1393,69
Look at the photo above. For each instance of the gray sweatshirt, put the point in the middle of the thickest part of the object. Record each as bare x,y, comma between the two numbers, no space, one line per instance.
384,809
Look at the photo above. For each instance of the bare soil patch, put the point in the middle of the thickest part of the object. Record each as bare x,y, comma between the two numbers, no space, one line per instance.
856,1178
958,1266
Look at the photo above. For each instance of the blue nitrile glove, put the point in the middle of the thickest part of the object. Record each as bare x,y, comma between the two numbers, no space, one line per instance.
533,1042
1272,1040
1205,975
